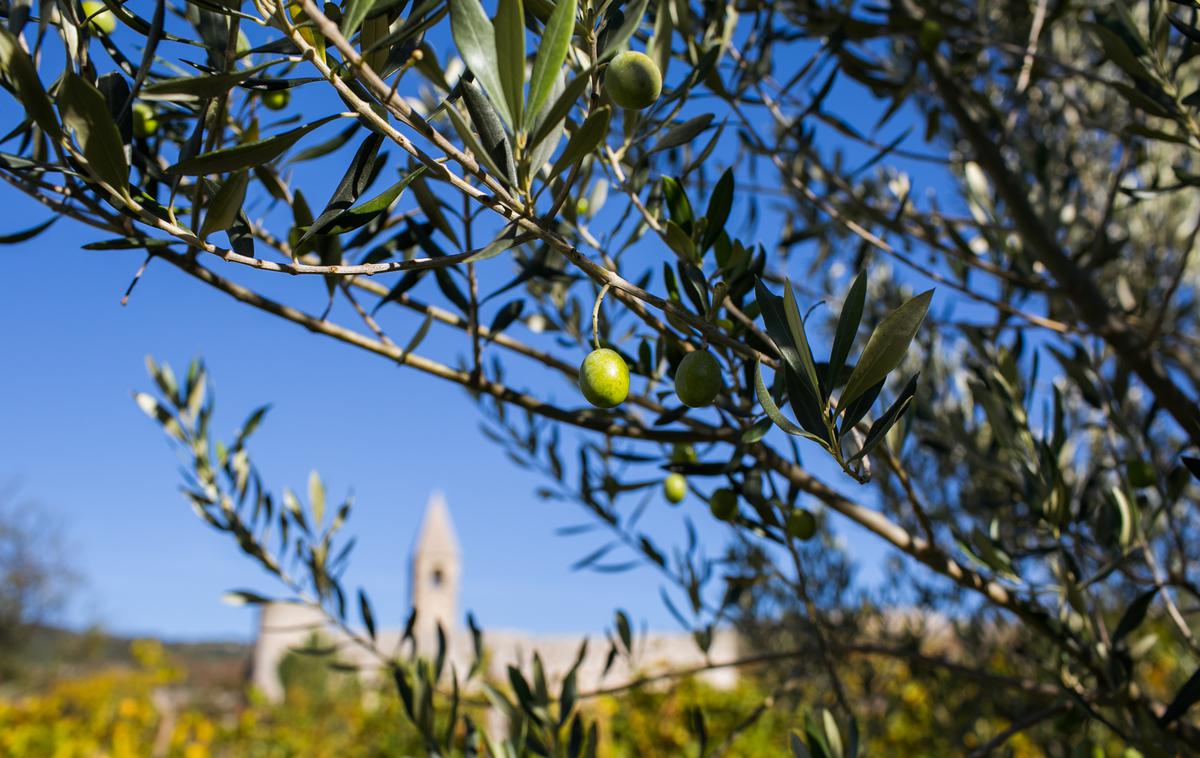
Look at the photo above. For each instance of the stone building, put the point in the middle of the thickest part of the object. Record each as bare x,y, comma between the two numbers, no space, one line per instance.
435,576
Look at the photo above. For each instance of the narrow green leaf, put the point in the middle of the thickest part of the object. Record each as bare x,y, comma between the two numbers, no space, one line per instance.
624,631
152,408
366,212
85,112
683,133
374,29
202,86
505,316
27,234
552,52
800,340
773,412
364,609
491,132
353,13
720,203
585,139
1184,699
858,407
847,328
244,156
880,428
476,41
510,53
757,430
775,319
417,337
1133,615
678,204
225,205
244,597
362,169
615,42
503,241
316,497
552,119
887,346
19,69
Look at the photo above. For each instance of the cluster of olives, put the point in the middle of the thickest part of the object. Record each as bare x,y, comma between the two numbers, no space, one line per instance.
604,379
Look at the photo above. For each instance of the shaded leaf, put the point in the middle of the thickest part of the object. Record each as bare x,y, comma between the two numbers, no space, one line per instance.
887,346
244,156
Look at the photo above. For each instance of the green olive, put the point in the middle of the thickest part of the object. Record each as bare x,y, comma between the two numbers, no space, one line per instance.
276,99
930,35
698,379
604,378
801,524
99,17
724,504
1141,473
675,488
633,81
682,453
144,122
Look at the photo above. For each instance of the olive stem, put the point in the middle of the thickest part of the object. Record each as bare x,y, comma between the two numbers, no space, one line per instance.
596,316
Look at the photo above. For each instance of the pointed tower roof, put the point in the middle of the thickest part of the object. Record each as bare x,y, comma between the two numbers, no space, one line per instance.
436,536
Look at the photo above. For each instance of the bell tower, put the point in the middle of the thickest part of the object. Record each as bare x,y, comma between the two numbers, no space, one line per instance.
436,568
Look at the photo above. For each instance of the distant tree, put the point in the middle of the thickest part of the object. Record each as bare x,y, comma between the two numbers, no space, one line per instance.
35,575
1022,444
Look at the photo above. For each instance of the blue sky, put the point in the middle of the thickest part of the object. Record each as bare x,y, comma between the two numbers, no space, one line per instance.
73,439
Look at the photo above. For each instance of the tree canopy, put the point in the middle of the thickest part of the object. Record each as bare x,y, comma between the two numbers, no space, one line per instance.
931,262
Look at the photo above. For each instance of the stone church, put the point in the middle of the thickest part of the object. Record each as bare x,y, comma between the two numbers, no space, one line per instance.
436,572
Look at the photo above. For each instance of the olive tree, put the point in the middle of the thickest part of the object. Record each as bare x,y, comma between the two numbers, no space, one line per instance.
962,324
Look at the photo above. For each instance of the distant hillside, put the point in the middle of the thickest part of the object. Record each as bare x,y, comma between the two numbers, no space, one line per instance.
55,653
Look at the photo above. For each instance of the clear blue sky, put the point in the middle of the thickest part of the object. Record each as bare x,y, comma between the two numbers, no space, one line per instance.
74,440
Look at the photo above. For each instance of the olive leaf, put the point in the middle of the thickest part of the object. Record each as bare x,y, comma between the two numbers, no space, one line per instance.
199,87
585,139
225,205
364,213
847,328
887,346
510,54
552,52
362,169
683,133
547,122
476,41
773,412
244,156
615,40
1134,615
85,113
720,203
491,131
885,422
19,69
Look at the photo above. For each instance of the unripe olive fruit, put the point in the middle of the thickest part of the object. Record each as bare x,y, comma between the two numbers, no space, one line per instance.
698,379
1141,473
683,453
801,524
604,378
144,122
675,487
276,99
724,504
99,17
930,36
633,80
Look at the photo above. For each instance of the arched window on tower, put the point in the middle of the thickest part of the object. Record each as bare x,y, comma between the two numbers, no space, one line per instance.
436,578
